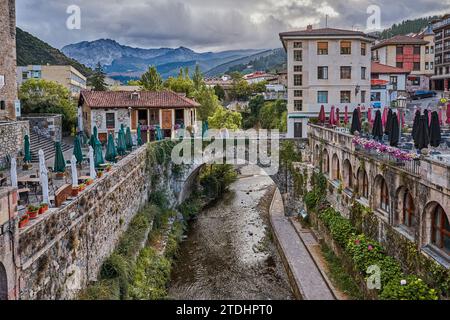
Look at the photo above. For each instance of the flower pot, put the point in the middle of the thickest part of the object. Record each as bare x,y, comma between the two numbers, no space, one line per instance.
99,174
43,209
60,175
27,166
75,191
24,221
108,169
33,214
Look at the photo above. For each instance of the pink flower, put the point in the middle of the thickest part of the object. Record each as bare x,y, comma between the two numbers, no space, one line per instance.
370,248
357,241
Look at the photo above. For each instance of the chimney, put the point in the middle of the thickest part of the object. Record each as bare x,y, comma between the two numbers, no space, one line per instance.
309,27
135,95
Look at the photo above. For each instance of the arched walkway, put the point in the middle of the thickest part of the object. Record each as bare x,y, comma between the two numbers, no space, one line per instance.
336,171
348,175
381,195
3,283
405,208
326,162
363,183
437,228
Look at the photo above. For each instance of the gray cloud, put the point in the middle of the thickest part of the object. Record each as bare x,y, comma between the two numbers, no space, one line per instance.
205,24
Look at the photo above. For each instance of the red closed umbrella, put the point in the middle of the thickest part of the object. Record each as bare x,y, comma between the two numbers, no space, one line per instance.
369,115
332,119
338,118
346,115
384,117
322,117
448,114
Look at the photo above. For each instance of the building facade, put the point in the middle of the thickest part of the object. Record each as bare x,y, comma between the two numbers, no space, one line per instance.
441,29
387,83
325,67
108,110
67,76
8,87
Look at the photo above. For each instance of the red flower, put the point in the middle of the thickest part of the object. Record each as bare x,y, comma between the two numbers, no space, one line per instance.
370,248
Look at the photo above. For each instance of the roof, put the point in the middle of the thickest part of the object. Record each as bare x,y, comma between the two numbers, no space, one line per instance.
322,32
382,68
399,40
148,99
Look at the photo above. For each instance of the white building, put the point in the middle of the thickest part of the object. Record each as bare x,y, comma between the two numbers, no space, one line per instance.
325,67
387,83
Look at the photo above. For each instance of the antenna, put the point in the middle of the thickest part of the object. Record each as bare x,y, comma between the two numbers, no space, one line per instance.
326,21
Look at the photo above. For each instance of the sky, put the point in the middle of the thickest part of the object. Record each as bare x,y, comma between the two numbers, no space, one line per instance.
206,25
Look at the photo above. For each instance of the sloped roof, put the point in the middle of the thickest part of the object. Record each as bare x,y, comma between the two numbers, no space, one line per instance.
399,40
382,68
126,99
323,32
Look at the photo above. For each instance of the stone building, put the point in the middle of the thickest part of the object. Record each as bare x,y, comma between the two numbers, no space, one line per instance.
8,87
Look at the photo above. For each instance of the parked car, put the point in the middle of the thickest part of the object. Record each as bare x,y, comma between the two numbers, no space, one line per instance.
421,94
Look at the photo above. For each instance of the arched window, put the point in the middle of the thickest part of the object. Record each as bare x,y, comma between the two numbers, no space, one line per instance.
326,162
3,283
440,229
317,154
408,217
335,174
384,195
348,174
363,183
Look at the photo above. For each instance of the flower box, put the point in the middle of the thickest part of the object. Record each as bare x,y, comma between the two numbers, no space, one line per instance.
32,212
89,181
23,222
75,191
43,208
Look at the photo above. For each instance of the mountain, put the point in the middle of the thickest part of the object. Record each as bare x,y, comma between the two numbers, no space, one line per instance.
406,27
31,50
125,62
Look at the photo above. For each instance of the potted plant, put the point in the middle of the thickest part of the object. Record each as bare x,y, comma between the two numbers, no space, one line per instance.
99,174
32,211
108,167
89,181
24,220
81,187
43,208
75,191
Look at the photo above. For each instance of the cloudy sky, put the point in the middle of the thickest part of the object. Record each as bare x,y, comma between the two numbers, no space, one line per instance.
206,24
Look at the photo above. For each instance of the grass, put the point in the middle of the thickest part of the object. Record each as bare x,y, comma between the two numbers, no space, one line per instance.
340,278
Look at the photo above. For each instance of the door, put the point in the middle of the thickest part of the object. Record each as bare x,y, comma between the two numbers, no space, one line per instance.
166,119
297,129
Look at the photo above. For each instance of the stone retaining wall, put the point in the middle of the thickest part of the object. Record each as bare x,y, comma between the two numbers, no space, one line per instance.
11,139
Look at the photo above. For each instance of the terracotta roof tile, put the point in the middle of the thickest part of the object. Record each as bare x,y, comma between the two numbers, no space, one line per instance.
323,32
382,68
148,99
399,40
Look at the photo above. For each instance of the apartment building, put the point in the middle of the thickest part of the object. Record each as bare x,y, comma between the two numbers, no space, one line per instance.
441,29
68,76
325,67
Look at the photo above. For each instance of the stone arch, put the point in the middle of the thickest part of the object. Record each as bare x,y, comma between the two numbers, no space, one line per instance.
363,183
436,229
326,162
380,192
317,154
3,283
348,174
405,208
335,168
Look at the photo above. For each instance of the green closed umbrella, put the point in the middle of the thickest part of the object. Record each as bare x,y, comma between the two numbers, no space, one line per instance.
98,154
139,137
158,134
204,127
60,163
111,152
94,136
77,150
128,140
27,152
121,147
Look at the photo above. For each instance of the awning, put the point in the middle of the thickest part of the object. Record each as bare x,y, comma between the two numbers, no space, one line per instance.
378,82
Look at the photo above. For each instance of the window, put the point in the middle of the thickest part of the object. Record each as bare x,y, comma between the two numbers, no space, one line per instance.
25,75
375,96
345,96
408,217
346,72
431,49
431,66
416,50
322,73
440,229
363,183
298,93
364,48
297,55
298,68
399,65
415,81
399,50
3,105
297,79
36,74
297,45
427,50
322,96
363,96
110,120
346,47
298,105
393,81
384,196
426,66
416,66
363,73
322,48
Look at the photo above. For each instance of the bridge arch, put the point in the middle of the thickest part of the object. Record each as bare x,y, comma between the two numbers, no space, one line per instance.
436,227
335,168
326,162
405,208
3,283
381,198
363,183
348,175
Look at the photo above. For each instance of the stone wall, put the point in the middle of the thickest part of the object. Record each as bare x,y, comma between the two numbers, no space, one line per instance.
46,125
11,139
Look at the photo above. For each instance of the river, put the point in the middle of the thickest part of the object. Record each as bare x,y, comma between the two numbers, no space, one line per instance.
229,252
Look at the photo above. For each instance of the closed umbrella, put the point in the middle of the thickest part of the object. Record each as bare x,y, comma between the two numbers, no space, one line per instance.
415,125
204,127
332,115
111,152
60,163
422,137
159,136
394,131
359,114
73,166
356,125
435,130
121,147
346,115
369,115
384,117
387,127
98,154
94,137
43,177
338,118
448,114
428,116
128,140
322,116
14,172
377,130
92,172
27,151
139,135
77,150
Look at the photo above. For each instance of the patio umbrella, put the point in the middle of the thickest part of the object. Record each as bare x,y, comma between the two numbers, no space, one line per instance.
338,118
422,137
98,153
402,118
377,130
128,140
356,125
387,127
394,136
121,147
384,117
332,116
435,130
448,114
27,151
77,150
159,136
139,136
111,152
322,116
415,125
92,172
346,115
43,177
73,166
60,163
94,136
369,115
13,172
428,116
204,127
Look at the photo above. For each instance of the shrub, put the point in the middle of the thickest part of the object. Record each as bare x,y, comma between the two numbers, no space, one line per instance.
414,289
311,199
340,228
159,199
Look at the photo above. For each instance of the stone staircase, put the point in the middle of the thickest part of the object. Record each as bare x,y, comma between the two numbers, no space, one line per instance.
38,142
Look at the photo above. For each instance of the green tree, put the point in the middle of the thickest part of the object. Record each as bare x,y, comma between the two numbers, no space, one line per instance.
42,96
97,80
151,80
223,118
208,102
134,83
180,84
220,92
272,114
197,78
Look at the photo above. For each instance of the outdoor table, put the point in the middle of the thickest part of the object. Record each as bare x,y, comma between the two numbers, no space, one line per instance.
27,181
24,191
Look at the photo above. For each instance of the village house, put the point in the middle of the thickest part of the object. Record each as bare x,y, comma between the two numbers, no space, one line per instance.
108,110
387,83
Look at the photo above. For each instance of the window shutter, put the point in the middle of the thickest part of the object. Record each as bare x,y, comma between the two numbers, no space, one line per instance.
134,114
